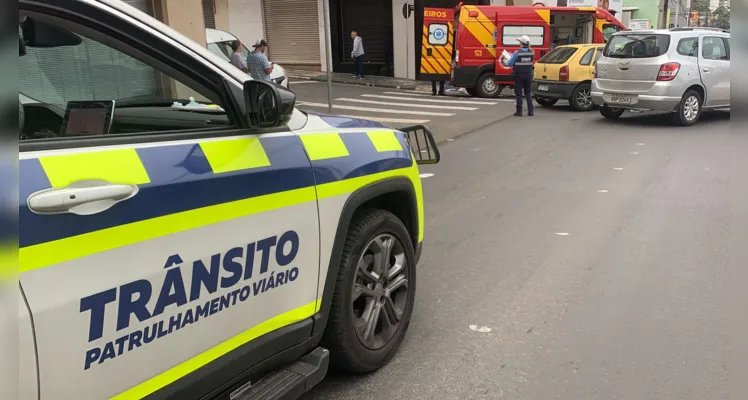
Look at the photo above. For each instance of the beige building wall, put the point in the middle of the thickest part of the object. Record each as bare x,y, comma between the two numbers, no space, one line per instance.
186,17
222,15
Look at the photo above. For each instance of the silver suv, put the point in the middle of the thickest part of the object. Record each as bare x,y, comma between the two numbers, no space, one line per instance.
680,70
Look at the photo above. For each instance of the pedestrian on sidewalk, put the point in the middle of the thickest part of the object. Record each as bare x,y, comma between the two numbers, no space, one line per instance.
522,71
441,88
358,54
258,64
237,59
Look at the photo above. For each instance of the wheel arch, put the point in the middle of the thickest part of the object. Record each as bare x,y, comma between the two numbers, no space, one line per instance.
396,195
700,90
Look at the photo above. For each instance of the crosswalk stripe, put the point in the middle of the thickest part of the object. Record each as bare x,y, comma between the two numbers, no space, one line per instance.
387,103
432,100
480,99
379,110
393,120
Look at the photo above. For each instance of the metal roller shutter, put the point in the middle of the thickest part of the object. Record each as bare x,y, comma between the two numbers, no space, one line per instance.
370,19
292,31
209,14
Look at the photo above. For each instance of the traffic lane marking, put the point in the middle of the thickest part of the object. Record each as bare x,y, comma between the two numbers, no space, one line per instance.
386,103
393,120
457,101
379,110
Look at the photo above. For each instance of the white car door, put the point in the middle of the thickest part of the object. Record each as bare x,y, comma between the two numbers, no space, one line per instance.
174,241
714,66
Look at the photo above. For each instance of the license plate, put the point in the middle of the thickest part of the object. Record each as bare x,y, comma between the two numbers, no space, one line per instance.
620,98
543,88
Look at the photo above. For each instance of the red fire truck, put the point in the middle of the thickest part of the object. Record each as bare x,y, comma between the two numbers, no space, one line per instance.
465,45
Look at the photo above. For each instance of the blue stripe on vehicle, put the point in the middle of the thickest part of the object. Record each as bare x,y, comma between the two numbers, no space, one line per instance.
182,174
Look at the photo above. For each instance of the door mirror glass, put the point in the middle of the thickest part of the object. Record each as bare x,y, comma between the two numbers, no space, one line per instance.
268,105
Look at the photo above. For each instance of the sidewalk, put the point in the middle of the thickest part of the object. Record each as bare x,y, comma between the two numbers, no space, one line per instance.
374,81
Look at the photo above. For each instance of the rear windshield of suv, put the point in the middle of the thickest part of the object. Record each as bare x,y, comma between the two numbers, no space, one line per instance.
641,45
558,55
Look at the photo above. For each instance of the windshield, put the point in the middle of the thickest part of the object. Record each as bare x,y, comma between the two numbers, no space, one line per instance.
645,45
609,30
559,55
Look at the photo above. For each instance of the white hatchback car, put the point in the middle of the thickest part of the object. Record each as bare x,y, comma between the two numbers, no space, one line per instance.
681,70
219,42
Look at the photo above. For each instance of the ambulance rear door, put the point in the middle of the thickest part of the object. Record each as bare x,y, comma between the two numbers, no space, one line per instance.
437,43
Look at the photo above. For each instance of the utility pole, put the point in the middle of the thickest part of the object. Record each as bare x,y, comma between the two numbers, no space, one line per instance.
328,53
663,14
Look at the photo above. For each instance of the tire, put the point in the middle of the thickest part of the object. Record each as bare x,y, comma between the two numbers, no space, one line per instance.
472,91
610,112
689,109
349,349
487,87
581,98
546,102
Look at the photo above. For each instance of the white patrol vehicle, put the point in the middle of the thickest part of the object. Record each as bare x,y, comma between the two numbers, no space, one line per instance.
186,232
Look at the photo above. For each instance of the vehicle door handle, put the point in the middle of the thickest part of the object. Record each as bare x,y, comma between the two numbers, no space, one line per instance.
705,69
80,198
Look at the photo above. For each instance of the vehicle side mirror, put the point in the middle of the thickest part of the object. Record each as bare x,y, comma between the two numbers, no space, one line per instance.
422,144
40,34
268,105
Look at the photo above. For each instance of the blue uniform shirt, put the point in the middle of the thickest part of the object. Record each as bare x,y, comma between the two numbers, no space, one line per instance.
514,55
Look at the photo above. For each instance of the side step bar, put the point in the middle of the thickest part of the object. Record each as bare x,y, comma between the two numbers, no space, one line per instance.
292,381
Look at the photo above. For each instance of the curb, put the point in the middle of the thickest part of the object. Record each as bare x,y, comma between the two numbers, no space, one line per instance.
359,82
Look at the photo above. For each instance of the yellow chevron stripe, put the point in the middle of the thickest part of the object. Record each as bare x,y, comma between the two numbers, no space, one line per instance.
476,28
545,14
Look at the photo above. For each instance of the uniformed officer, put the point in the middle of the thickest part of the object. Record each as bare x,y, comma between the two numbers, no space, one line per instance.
522,70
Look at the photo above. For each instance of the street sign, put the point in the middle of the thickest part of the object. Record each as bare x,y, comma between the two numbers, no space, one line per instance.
408,10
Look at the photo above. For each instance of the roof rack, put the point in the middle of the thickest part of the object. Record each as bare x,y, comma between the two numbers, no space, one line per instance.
699,28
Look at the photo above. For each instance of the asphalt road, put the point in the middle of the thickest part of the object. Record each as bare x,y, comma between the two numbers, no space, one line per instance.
447,116
596,253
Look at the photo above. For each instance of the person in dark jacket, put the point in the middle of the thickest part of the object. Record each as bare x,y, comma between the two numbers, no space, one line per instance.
522,71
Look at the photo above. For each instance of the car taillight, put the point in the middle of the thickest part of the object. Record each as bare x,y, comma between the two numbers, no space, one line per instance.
563,74
668,71
457,56
594,71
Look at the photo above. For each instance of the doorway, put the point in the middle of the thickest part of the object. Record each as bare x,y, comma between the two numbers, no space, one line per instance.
372,19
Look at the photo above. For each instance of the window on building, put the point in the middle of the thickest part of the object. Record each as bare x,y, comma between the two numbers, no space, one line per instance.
510,35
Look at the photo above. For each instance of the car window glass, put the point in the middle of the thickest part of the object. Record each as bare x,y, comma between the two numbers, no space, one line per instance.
218,50
609,30
511,33
688,47
597,53
145,99
587,57
559,55
635,45
714,48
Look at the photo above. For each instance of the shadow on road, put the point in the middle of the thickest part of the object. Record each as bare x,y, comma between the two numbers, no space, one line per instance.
663,119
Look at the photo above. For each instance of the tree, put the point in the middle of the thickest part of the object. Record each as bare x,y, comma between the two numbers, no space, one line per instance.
721,18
